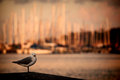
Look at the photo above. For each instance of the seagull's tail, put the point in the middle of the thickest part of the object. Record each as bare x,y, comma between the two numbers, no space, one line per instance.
14,62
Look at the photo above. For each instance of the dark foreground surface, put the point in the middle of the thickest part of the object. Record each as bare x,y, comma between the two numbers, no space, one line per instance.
33,76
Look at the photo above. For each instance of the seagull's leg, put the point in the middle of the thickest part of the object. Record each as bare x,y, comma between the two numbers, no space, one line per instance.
28,69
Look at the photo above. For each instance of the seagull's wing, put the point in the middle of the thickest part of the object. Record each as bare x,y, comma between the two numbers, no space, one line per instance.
26,60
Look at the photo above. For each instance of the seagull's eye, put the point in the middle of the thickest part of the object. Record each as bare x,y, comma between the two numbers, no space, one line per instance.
34,55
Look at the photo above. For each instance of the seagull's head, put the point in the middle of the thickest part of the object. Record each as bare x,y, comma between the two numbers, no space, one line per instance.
33,54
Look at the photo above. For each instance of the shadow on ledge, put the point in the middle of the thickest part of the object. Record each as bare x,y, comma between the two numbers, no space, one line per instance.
33,76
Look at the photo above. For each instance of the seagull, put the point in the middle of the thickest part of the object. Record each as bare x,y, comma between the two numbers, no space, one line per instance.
27,62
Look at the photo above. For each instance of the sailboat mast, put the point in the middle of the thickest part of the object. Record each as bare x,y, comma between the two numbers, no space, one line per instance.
23,26
53,22
4,33
108,31
15,29
10,28
92,35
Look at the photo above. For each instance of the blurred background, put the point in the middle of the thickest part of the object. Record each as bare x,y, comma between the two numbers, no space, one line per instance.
83,37
59,26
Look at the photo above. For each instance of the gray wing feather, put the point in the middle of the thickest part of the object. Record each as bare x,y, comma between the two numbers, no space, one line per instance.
26,60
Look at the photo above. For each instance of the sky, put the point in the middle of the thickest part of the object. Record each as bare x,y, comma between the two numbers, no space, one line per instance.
87,11
82,12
